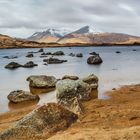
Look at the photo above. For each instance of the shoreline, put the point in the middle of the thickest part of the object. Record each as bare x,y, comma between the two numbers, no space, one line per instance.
111,118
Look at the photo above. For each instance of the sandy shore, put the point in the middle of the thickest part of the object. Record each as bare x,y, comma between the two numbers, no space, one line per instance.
115,119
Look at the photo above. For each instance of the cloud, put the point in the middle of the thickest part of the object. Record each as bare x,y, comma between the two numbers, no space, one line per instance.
21,18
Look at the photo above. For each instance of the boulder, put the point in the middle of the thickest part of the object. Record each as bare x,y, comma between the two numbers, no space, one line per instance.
68,89
54,61
79,55
58,53
29,64
42,81
40,50
41,123
70,77
92,80
30,55
13,65
21,96
95,59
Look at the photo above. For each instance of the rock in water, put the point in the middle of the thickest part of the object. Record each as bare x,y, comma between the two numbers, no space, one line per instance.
70,77
40,50
45,120
12,65
92,80
58,53
93,53
42,81
29,64
96,59
54,61
21,96
68,89
30,55
79,55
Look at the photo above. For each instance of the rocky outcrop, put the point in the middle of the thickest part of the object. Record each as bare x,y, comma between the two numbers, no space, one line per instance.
30,64
70,77
43,121
95,59
54,61
42,81
12,65
92,80
21,96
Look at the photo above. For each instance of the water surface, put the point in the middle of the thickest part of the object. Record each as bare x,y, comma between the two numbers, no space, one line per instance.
116,69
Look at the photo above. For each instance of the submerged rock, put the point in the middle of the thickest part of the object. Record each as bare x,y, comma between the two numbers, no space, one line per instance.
70,77
92,80
21,96
42,81
44,120
30,55
13,65
118,52
58,53
79,55
29,64
96,59
54,61
93,53
10,57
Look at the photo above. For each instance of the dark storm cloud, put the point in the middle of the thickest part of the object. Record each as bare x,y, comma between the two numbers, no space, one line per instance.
23,17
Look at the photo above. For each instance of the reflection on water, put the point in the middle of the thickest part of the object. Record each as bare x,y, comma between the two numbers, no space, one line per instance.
116,69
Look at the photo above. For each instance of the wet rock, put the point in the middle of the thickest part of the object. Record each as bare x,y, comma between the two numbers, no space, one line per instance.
42,81
30,55
21,96
68,89
96,59
118,52
54,61
42,56
93,53
40,50
29,64
45,120
72,54
58,53
79,55
134,50
70,77
48,53
12,65
10,57
92,80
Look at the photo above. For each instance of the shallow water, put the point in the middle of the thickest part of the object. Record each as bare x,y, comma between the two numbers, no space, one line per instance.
116,69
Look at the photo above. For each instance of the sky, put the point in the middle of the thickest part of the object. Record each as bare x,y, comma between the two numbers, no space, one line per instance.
21,18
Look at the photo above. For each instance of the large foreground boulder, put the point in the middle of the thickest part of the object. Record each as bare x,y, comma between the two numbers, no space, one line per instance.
95,59
54,61
42,81
21,96
13,65
44,121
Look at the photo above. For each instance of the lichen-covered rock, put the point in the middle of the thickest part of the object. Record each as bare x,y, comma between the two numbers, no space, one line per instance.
95,59
43,121
70,77
42,81
21,96
92,80
68,89
13,65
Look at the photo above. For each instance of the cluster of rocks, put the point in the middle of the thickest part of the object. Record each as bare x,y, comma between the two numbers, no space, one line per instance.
52,60
52,117
14,65
77,55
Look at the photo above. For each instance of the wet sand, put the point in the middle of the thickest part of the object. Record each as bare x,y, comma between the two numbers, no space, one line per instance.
117,118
